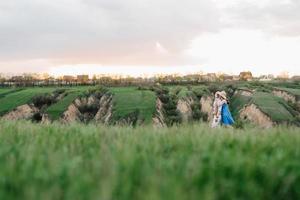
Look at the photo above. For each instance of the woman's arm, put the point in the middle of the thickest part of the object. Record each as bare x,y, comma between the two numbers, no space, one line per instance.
215,108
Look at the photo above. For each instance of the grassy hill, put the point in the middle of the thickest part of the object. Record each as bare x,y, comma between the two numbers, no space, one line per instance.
127,100
186,91
187,162
237,102
271,105
276,108
292,91
57,109
141,102
15,99
5,90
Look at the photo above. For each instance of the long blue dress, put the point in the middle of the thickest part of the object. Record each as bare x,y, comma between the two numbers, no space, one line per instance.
226,117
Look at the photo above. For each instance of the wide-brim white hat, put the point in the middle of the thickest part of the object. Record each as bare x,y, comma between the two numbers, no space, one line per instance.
223,94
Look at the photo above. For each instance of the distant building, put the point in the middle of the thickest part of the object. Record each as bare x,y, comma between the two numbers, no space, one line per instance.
82,78
264,78
190,77
210,77
51,80
17,78
68,78
296,78
246,76
226,77
283,75
236,77
271,76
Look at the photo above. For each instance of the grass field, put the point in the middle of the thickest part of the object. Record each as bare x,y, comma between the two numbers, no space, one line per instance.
5,90
237,102
129,99
293,91
15,99
126,100
188,162
57,109
270,105
185,92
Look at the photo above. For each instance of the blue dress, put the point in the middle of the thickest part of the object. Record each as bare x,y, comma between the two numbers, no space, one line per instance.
226,118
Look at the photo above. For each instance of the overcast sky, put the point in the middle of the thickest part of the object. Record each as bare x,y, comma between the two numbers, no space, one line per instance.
149,36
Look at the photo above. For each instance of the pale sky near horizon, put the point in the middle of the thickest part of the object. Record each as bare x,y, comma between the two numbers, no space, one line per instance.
138,37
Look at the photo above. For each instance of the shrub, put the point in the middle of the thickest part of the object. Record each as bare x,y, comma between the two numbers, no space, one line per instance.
58,92
230,89
196,108
130,119
143,87
97,92
43,100
177,90
164,98
93,109
37,117
199,92
169,101
239,124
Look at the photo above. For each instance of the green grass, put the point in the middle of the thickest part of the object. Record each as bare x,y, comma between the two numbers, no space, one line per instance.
57,109
15,99
294,85
5,90
183,91
128,99
237,102
292,91
271,105
189,162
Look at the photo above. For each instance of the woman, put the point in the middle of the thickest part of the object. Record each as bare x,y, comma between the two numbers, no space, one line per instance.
216,110
226,117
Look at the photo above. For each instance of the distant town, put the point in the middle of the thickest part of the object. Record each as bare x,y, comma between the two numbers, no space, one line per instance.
35,79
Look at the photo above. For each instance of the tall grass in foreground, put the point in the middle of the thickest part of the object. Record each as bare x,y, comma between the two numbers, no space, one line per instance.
187,162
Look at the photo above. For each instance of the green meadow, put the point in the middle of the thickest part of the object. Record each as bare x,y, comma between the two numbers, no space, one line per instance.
272,106
141,102
11,100
56,110
128,99
180,162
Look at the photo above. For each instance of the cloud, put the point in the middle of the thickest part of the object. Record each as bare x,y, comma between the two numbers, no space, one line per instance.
36,35
106,32
235,50
160,49
280,17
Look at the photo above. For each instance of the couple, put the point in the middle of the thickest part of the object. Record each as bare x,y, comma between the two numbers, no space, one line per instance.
221,113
